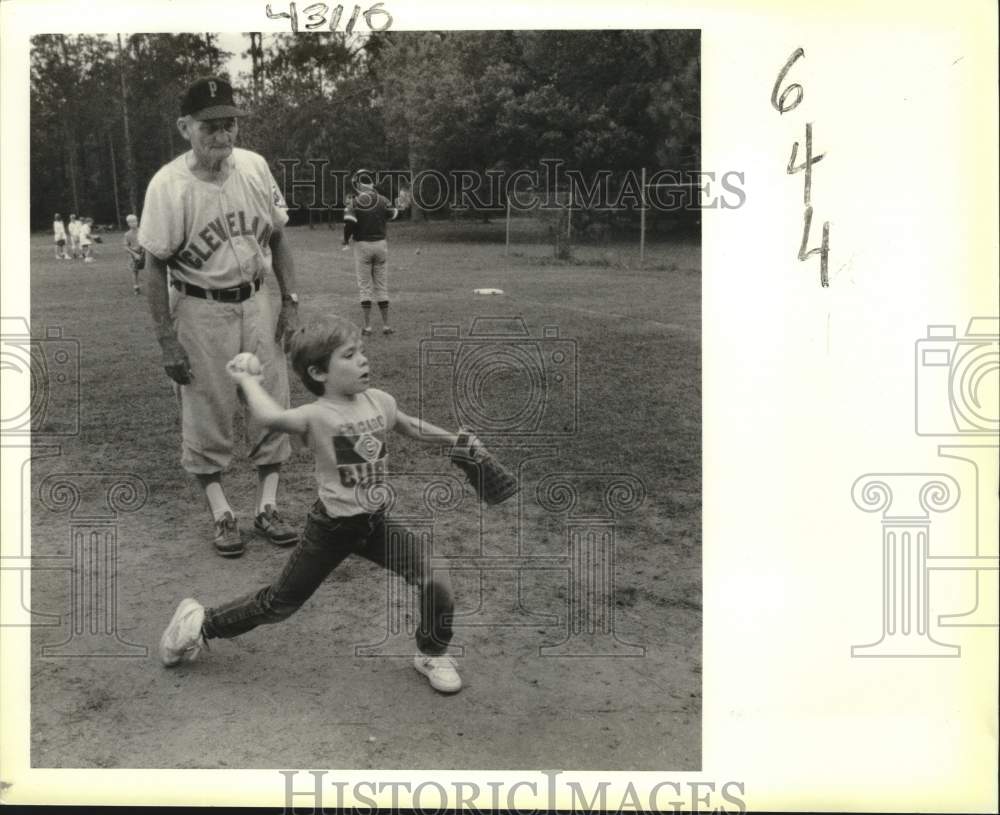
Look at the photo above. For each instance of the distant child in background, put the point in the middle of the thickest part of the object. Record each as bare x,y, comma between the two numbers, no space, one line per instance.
85,241
136,258
59,237
73,228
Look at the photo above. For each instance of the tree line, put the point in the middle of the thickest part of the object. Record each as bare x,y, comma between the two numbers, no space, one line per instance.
103,107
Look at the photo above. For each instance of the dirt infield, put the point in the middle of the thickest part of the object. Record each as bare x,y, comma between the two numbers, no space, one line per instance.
299,694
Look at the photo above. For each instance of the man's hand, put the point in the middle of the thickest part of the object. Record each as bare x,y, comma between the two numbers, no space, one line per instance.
288,322
175,361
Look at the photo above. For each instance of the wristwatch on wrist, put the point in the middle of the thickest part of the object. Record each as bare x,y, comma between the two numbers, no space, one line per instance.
291,297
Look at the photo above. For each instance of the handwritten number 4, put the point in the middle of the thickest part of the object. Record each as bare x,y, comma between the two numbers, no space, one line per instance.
823,249
806,165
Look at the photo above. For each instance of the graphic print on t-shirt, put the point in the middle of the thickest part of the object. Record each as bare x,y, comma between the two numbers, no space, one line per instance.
360,450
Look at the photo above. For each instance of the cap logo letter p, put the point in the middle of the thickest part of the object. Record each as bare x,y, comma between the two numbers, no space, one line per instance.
211,89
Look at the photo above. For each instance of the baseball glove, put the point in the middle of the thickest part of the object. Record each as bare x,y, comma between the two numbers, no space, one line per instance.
492,482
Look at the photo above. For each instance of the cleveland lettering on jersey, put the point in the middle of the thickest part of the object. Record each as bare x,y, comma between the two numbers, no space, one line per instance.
211,238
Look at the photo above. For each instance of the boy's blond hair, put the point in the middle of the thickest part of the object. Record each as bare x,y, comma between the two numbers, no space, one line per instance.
131,218
313,343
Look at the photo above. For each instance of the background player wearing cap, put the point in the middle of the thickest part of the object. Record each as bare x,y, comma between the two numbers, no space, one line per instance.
364,220
212,228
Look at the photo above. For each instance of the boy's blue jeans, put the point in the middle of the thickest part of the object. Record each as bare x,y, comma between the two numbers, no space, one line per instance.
325,544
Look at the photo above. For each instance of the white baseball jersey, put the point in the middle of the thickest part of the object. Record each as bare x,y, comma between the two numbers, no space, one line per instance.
209,235
58,230
74,228
84,234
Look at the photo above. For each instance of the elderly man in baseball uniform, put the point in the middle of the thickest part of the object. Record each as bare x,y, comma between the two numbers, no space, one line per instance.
212,230
364,220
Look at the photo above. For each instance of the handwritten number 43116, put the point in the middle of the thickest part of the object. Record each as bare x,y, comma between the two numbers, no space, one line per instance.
782,104
315,17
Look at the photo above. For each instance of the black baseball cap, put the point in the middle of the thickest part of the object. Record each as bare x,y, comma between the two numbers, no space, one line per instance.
210,98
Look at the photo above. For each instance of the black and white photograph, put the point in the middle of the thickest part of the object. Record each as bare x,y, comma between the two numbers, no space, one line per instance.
528,407
380,438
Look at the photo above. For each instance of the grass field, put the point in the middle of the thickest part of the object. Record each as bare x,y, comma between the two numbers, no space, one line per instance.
296,695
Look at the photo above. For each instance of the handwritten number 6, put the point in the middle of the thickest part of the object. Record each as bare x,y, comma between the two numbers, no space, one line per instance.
779,101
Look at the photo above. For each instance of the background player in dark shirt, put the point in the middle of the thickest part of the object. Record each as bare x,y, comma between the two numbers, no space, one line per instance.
364,220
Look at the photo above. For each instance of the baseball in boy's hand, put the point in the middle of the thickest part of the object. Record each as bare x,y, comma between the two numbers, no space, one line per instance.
245,363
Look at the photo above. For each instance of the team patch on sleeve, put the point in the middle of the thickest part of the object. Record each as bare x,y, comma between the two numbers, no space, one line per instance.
277,198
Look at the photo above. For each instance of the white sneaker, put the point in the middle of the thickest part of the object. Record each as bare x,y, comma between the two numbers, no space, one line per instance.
441,671
182,641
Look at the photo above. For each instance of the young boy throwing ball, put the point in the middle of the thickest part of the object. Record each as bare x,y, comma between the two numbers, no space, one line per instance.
345,427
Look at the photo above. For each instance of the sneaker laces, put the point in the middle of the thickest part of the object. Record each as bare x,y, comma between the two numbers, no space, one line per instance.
442,660
269,516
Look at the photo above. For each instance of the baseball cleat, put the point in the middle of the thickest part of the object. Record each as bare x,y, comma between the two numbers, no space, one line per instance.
182,641
388,330
442,671
366,332
228,541
268,524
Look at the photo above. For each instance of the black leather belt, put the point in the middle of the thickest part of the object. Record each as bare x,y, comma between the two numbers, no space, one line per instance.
234,294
